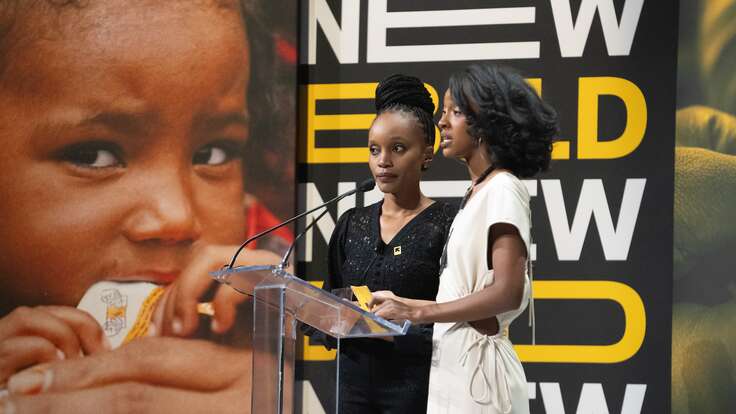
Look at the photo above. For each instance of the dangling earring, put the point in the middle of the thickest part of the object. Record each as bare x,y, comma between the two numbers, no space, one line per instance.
425,164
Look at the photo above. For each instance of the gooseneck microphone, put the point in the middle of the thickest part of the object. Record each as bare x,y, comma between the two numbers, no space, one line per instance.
364,186
285,259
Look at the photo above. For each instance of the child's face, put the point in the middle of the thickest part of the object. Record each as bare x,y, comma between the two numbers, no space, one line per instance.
120,128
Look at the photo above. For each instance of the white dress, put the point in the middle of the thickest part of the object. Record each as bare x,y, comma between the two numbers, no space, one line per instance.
472,372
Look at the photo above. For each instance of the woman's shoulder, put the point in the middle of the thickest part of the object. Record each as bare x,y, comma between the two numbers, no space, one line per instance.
507,182
367,211
357,218
360,211
354,220
445,209
441,213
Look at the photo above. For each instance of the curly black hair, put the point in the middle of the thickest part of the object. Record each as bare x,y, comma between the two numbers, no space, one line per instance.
407,94
507,115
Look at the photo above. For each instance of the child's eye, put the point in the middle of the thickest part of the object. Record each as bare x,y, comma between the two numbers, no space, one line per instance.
399,148
373,150
93,154
217,153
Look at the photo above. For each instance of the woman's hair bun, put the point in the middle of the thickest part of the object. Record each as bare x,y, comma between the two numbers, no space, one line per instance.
405,91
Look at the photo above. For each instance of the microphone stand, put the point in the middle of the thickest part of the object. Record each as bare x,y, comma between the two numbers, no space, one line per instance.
366,185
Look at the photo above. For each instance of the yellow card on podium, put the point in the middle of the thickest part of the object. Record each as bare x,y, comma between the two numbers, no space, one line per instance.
363,295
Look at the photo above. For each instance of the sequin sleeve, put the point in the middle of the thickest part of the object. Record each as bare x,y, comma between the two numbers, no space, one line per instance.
333,279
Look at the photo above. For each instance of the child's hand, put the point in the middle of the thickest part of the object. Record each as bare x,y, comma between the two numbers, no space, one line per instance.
30,336
177,312
148,375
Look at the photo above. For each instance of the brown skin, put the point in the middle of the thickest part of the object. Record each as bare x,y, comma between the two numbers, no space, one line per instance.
187,382
177,312
398,150
506,250
120,129
457,142
30,336
112,157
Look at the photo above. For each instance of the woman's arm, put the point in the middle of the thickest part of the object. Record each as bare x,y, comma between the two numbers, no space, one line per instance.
381,296
508,255
334,278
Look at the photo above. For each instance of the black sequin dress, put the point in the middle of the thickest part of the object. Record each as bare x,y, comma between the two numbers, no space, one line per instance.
376,375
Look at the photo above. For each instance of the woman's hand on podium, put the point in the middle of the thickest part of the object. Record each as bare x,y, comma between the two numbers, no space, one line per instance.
380,296
391,307
396,308
147,375
30,336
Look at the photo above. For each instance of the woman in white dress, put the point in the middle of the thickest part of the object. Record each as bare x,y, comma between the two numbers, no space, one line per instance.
494,122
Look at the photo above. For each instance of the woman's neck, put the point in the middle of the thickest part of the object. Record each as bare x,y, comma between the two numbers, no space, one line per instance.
478,163
405,202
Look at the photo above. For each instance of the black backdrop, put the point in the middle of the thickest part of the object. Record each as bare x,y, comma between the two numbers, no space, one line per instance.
604,269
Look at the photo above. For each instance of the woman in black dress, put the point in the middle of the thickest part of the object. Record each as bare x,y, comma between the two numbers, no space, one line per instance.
394,244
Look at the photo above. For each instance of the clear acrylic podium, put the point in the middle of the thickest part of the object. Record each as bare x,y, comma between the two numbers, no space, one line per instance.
280,300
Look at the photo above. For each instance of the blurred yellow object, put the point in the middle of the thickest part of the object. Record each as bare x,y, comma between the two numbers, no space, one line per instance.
717,53
705,127
143,321
705,193
364,296
703,351
703,332
704,229
115,312
205,308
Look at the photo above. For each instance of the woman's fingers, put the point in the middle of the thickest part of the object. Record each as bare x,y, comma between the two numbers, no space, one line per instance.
171,362
386,309
394,310
379,297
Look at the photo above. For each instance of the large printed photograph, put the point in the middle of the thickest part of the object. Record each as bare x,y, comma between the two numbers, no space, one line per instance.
703,350
143,141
